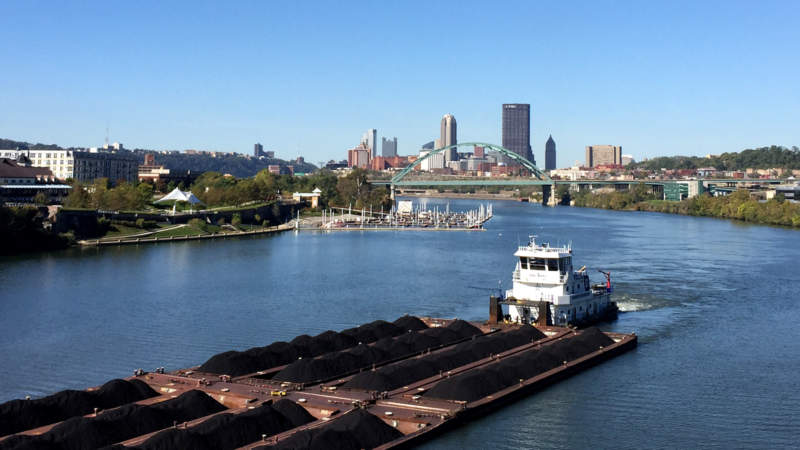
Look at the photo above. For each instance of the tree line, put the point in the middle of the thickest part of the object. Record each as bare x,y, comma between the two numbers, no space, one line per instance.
21,230
9,144
353,190
215,190
739,205
237,166
759,158
101,195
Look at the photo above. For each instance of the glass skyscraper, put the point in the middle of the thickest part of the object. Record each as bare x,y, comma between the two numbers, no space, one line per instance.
449,136
550,154
517,130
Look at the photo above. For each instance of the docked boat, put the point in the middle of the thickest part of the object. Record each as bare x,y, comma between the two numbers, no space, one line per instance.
547,291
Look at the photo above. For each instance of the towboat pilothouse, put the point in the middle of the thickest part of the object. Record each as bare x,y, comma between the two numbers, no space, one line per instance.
547,291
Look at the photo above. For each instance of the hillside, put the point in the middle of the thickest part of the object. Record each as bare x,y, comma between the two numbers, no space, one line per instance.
8,144
759,158
237,166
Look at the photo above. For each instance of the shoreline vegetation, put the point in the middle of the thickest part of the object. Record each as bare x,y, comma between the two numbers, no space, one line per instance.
738,206
232,205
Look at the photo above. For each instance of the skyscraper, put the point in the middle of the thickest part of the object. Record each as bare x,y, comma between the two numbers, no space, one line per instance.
369,139
388,147
258,150
449,137
550,154
517,129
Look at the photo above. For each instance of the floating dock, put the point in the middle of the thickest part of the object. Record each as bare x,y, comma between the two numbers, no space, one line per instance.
381,385
405,217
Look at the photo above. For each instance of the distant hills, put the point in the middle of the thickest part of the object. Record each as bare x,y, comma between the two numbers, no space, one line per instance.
759,158
8,144
236,165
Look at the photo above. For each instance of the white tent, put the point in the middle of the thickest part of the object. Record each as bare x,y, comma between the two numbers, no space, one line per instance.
178,195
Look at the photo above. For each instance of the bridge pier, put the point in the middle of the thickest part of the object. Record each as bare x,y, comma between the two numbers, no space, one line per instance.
550,195
555,200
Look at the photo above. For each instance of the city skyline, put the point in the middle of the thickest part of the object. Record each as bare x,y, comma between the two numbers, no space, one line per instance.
678,80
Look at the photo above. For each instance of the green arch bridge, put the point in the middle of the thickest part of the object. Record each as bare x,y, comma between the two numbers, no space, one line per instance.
672,189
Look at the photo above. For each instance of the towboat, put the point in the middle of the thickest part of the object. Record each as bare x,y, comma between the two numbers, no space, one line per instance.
547,291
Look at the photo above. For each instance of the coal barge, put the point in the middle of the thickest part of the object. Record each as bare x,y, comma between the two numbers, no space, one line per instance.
380,385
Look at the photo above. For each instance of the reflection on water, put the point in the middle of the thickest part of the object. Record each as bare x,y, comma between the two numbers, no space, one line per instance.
714,303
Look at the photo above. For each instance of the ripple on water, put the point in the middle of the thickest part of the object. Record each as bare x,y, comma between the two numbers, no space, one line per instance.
714,305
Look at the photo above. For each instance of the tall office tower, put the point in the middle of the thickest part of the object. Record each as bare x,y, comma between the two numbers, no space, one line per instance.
369,139
449,137
550,154
258,150
388,147
517,130
603,155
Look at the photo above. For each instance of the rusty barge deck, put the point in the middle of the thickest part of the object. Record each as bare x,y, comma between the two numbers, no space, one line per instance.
396,401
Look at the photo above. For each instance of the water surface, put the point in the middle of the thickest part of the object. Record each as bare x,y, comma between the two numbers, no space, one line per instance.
714,302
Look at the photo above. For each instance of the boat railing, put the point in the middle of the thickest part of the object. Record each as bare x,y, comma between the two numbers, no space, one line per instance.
539,248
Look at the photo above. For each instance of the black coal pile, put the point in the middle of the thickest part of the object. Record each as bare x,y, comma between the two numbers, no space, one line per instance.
410,323
119,424
20,415
296,414
362,356
353,431
230,431
474,385
237,363
405,372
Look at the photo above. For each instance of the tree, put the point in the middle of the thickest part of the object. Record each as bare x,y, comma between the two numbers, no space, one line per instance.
98,191
21,230
40,198
145,192
78,197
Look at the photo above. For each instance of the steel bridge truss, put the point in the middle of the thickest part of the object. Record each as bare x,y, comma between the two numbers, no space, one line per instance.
541,176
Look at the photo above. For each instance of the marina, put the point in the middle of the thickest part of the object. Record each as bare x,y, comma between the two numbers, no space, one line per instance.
406,216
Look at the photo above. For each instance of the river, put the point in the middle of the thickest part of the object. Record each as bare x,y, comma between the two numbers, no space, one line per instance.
714,302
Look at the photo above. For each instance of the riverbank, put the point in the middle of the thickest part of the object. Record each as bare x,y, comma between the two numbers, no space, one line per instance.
737,206
189,236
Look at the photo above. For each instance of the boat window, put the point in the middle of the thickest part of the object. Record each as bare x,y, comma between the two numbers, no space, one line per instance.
537,263
523,262
552,265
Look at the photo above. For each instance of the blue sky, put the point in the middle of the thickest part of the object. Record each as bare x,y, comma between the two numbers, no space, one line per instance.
308,78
